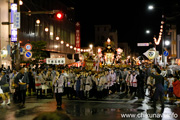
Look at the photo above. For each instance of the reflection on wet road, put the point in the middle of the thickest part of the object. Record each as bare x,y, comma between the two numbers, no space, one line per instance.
108,109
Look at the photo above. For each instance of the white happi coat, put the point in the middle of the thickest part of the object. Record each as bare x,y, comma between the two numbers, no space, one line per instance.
38,82
99,83
41,78
71,79
67,80
105,82
88,83
112,79
58,84
133,81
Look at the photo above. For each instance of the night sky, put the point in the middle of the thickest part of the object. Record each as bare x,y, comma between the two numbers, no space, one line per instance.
130,18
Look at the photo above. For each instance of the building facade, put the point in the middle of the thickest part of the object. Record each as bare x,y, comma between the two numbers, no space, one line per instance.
58,34
5,58
39,23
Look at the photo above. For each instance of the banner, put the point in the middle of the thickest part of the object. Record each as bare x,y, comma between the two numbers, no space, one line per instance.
13,30
150,54
78,38
57,61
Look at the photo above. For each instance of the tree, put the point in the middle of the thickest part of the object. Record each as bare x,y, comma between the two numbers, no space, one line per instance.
38,48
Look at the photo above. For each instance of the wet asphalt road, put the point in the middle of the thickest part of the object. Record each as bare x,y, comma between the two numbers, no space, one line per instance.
111,108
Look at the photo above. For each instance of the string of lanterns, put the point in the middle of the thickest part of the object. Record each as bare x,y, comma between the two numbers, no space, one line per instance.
157,41
67,44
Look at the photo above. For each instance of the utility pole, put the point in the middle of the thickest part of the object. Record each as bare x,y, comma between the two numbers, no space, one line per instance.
17,48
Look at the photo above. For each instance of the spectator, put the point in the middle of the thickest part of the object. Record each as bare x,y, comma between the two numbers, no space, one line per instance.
176,88
170,86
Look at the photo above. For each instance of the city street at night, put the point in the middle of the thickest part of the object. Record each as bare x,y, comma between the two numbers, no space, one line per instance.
89,60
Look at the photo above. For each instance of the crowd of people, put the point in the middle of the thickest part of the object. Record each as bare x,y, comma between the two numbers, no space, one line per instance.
84,84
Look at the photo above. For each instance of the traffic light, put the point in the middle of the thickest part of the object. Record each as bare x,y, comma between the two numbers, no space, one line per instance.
59,15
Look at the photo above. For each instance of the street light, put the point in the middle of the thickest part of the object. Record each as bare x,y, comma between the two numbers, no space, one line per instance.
108,40
38,21
57,38
91,46
62,42
46,29
167,43
20,2
150,7
147,31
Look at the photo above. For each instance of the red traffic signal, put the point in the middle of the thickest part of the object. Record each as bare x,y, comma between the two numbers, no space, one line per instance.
59,15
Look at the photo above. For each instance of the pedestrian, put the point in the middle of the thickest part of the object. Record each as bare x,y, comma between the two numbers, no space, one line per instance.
170,85
99,84
112,80
159,90
22,82
128,77
71,84
12,85
150,86
133,83
58,83
165,86
88,84
140,84
68,84
31,78
176,87
38,84
4,83
77,86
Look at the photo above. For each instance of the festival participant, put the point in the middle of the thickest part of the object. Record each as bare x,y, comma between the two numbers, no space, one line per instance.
159,90
128,76
105,84
88,84
58,83
12,85
31,88
23,83
38,84
48,82
150,85
112,81
4,83
78,86
99,84
170,85
165,86
71,78
140,84
66,82
163,72
133,83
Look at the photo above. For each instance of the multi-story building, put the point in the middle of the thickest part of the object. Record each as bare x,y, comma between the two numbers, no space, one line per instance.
50,29
5,58
40,24
103,32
